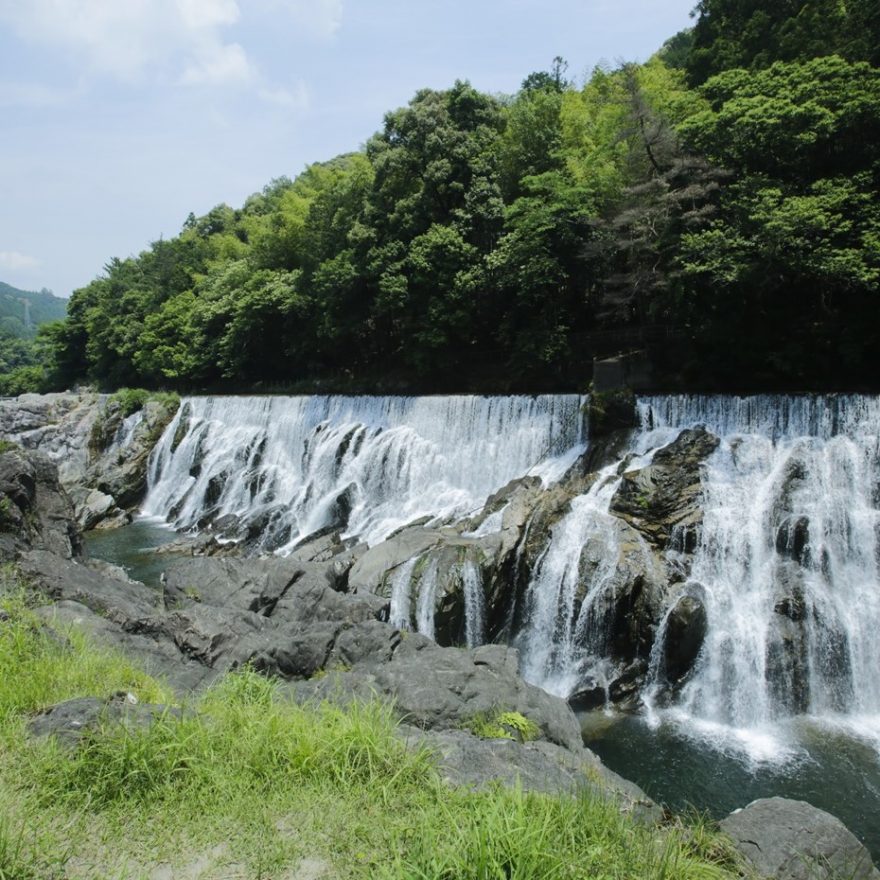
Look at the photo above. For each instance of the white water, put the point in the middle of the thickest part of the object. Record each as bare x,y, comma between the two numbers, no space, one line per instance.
561,644
790,520
293,465
474,604
399,612
791,523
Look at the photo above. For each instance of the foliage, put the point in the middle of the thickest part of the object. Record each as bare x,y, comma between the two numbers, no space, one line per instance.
503,243
130,400
502,724
752,35
247,783
23,311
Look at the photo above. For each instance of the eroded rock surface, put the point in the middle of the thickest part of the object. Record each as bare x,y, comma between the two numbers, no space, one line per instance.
101,456
792,840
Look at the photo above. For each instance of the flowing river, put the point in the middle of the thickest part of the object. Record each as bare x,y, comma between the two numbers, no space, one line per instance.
784,697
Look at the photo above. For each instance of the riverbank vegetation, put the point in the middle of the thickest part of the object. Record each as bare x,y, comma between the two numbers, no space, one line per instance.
716,205
243,783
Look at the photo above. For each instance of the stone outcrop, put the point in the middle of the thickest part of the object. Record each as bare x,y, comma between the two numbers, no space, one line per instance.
35,511
69,721
792,840
101,456
662,500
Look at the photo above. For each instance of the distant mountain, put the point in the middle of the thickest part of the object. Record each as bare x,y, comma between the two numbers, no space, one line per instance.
22,311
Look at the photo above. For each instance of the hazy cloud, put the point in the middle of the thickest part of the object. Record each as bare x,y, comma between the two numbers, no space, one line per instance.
17,262
128,38
296,98
218,65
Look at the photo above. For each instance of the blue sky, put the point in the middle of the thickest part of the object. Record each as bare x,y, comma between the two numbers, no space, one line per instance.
119,117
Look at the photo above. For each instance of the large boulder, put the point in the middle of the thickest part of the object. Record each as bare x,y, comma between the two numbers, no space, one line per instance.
35,511
686,628
662,500
70,721
446,688
467,760
792,840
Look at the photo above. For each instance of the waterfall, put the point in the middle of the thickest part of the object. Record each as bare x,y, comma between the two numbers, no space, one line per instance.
399,612
125,431
787,564
788,559
474,602
562,642
287,467
426,604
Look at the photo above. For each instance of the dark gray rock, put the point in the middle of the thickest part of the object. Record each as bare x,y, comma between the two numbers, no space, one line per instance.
664,497
467,760
444,688
372,572
35,511
686,630
84,436
68,722
154,651
792,840
126,602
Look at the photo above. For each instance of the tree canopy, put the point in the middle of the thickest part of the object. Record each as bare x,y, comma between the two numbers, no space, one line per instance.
716,204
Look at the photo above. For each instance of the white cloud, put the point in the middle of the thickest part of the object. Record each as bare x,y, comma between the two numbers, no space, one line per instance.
130,38
208,13
217,64
297,98
17,262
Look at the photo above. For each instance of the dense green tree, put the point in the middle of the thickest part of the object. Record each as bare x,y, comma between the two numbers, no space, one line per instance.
749,34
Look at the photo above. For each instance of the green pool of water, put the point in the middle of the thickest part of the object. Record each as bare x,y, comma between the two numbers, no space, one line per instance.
133,547
830,767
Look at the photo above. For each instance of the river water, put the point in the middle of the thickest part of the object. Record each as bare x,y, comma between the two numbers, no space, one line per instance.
785,695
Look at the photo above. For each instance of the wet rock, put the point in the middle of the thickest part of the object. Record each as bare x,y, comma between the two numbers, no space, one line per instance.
611,411
686,629
793,539
590,695
625,690
792,840
665,495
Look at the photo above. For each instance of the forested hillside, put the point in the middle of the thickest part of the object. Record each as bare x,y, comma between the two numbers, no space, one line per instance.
22,312
716,205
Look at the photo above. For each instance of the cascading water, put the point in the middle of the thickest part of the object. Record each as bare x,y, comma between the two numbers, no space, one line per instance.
289,466
474,610
787,561
784,697
562,643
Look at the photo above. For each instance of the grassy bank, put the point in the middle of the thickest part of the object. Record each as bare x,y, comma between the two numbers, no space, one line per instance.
245,784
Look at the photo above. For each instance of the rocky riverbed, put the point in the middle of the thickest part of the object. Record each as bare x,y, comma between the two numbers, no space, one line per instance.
335,618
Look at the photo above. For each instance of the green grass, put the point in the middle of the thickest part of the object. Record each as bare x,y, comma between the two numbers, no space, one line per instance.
246,784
